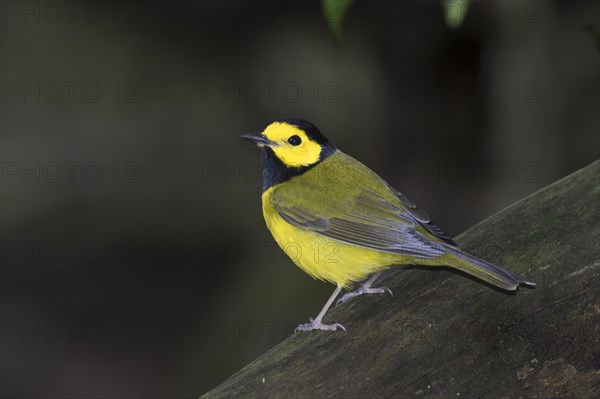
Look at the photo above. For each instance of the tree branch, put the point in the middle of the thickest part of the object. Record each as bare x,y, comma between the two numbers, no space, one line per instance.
443,336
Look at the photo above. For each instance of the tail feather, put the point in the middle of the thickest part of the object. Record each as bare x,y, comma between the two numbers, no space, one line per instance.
486,271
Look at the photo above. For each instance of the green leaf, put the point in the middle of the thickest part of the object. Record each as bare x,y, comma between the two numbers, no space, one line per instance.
334,12
455,12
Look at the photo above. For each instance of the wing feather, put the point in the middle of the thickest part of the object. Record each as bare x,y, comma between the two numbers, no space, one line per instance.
366,220
422,217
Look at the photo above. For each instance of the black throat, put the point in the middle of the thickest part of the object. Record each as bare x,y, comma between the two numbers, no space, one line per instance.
274,171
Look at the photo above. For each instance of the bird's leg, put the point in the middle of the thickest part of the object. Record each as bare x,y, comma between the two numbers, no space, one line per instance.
317,324
365,288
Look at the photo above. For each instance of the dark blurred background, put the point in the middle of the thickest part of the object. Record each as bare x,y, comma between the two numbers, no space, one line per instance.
135,259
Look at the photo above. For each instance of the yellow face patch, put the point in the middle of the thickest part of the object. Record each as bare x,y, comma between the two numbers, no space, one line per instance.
306,153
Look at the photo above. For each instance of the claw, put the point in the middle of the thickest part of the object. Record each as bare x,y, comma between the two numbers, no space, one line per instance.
317,325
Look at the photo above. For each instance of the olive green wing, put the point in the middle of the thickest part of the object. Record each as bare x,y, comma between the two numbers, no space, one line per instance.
341,170
357,217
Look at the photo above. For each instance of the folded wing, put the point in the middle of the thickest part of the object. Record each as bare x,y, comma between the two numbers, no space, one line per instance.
365,219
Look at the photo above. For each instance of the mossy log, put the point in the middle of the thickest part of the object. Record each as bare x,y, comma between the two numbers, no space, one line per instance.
442,335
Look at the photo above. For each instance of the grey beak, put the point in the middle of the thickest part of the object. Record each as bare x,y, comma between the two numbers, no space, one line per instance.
258,139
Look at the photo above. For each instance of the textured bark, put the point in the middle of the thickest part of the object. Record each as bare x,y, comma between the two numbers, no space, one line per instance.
442,335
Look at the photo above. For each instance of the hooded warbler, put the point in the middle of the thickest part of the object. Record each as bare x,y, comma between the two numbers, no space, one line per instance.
342,223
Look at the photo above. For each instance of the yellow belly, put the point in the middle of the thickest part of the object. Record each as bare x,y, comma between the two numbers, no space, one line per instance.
320,256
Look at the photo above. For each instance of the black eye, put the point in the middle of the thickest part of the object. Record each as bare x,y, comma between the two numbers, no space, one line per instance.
295,140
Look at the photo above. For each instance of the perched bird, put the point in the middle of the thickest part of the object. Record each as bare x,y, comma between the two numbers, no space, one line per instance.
340,222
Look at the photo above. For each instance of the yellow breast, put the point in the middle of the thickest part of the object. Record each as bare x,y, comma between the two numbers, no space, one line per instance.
320,256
